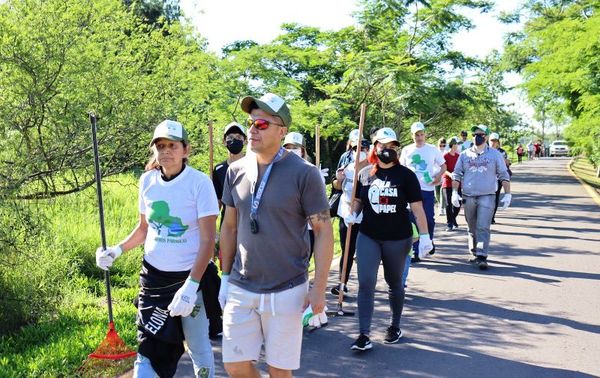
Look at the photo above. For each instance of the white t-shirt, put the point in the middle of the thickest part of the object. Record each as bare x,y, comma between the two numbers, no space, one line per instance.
172,209
345,198
424,161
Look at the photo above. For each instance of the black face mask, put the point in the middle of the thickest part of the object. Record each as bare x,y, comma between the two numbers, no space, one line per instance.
387,155
479,140
235,146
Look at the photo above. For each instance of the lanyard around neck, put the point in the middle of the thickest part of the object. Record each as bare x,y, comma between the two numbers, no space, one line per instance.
256,196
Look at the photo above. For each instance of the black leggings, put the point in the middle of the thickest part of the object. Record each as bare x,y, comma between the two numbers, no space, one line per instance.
451,211
354,233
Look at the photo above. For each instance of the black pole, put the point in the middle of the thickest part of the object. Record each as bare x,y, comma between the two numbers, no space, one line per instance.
101,210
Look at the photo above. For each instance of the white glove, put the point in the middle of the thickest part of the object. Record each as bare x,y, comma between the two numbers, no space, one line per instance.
425,245
185,299
223,290
506,201
350,219
455,199
314,320
106,257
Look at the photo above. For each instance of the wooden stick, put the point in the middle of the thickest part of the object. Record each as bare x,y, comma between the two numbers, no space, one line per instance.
210,149
318,146
363,111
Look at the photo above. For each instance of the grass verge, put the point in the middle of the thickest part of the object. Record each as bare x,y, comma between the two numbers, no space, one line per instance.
586,172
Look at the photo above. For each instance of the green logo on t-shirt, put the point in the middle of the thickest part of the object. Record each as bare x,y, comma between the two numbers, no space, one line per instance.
420,166
159,217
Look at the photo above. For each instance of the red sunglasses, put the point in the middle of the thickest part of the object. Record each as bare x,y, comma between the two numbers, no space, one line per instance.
260,124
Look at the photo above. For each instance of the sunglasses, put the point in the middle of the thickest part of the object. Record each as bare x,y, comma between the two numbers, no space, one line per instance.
442,145
260,124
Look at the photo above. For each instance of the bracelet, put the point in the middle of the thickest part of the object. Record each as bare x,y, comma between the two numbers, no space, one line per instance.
193,280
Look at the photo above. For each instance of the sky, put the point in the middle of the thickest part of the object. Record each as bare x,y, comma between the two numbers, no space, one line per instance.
225,21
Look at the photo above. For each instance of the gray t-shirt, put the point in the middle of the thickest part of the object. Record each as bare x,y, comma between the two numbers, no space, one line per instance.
276,258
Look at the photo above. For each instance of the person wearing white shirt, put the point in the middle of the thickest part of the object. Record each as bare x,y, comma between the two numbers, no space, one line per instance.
429,165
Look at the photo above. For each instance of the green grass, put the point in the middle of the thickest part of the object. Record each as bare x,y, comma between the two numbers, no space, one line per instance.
59,342
586,172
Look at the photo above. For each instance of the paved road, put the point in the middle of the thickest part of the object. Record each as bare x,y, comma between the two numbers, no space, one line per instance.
534,313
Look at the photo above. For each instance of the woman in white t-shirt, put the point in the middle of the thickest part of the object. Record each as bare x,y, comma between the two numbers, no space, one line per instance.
178,210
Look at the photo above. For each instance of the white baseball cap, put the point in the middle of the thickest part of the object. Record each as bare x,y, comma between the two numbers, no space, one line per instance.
353,137
171,130
386,135
494,136
417,126
294,138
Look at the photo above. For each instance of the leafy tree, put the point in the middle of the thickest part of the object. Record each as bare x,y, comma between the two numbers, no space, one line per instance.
560,62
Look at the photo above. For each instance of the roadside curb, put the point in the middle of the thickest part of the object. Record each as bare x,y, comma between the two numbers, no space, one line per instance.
592,192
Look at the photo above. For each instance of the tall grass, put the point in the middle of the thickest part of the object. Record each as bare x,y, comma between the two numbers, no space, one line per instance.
61,339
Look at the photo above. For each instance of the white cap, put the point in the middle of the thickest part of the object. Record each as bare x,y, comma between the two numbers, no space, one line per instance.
494,136
171,130
294,138
353,137
417,126
386,135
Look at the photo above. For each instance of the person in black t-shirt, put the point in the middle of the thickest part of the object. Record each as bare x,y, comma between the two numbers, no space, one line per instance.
384,190
234,139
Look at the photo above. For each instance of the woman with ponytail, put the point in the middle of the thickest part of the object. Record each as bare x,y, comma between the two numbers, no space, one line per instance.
384,191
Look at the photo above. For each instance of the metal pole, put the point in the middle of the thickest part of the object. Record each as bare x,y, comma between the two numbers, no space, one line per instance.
101,210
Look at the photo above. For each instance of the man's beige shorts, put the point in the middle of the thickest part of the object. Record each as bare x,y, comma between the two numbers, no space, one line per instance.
275,320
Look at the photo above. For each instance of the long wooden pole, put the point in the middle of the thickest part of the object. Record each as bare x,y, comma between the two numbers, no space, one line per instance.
363,111
210,148
318,146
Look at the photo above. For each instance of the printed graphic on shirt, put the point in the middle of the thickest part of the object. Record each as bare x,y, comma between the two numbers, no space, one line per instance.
380,194
420,167
479,165
165,224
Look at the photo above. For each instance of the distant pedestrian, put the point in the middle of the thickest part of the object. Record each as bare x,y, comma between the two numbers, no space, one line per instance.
477,171
451,157
384,191
530,150
520,153
464,143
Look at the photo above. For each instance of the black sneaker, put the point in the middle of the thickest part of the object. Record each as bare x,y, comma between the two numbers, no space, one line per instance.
336,289
455,225
362,343
449,228
481,262
392,335
432,250
415,258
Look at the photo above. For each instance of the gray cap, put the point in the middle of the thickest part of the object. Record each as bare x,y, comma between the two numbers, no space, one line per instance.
270,103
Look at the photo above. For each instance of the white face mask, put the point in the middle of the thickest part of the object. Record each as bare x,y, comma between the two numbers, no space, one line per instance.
297,151
362,156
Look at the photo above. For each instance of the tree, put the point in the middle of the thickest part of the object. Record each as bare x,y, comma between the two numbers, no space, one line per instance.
560,61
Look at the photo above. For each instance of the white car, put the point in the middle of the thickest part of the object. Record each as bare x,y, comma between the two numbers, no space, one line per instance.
559,148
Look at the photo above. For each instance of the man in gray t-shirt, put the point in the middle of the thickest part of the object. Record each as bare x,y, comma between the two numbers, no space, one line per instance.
269,196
